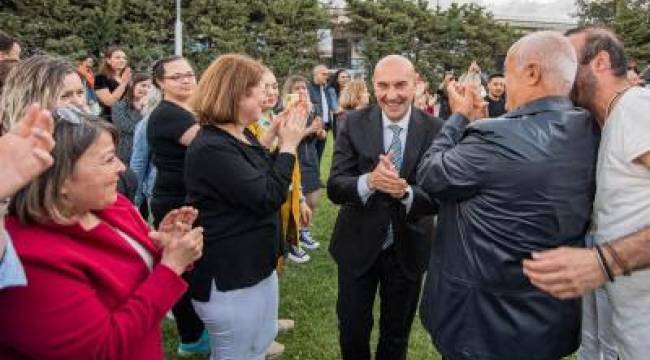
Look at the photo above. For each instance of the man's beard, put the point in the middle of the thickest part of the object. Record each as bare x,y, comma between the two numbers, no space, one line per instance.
585,88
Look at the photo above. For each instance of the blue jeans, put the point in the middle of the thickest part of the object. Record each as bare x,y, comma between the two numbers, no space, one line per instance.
241,323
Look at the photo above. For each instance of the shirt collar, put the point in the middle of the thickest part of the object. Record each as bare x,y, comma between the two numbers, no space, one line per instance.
403,123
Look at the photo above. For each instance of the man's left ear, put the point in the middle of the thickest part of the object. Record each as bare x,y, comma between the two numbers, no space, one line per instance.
533,73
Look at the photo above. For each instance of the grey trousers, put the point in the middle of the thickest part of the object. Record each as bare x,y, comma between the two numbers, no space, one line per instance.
598,341
241,323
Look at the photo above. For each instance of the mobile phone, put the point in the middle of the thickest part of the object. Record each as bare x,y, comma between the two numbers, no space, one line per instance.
290,99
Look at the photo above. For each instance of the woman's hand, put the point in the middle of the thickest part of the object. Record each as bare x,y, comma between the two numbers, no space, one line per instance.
176,223
126,76
181,252
292,128
305,214
314,128
25,150
181,244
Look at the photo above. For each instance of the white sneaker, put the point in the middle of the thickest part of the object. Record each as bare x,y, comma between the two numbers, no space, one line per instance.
307,241
298,255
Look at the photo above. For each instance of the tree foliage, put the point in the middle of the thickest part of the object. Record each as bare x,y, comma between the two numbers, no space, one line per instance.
281,32
629,18
434,39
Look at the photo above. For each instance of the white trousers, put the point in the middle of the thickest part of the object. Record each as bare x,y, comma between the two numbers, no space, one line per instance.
241,323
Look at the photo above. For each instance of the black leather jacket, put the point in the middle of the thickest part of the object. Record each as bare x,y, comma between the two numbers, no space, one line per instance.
507,186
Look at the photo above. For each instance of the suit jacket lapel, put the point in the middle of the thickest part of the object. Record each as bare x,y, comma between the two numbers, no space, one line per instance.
375,132
414,139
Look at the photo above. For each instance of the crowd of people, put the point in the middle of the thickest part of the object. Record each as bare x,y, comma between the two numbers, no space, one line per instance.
510,208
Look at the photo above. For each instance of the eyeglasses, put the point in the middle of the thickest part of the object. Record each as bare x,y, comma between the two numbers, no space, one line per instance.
179,77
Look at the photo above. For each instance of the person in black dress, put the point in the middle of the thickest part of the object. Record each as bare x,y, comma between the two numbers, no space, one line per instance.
171,128
238,188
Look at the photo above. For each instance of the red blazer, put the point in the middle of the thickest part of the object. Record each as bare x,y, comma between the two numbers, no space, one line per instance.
89,293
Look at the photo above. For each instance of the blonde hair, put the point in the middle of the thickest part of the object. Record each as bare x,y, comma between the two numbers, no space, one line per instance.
38,79
351,95
222,86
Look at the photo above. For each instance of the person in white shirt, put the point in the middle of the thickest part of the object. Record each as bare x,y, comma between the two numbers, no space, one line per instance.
616,316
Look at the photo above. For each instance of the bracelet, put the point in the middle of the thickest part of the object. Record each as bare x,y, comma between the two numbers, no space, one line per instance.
617,259
603,263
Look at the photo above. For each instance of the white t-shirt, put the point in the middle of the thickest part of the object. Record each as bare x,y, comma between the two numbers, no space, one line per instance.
622,203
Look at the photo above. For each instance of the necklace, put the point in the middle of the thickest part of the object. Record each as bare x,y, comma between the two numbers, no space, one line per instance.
614,98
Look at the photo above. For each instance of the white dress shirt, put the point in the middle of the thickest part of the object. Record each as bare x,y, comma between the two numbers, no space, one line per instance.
362,183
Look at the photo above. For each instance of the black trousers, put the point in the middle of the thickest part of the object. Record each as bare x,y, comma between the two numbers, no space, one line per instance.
398,297
189,325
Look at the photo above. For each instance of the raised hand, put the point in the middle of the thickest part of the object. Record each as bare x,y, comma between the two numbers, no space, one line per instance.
466,100
126,76
180,252
175,224
292,129
25,150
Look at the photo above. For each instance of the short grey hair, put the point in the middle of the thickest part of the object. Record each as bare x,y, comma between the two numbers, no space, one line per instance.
555,55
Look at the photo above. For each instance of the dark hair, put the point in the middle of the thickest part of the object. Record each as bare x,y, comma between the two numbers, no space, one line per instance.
106,68
600,38
129,94
74,132
6,41
333,81
158,69
494,75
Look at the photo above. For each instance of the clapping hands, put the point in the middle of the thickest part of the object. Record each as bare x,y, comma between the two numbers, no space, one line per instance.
181,244
466,99
291,128
385,178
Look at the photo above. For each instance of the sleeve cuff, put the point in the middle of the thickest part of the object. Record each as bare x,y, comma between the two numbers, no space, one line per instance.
408,201
362,188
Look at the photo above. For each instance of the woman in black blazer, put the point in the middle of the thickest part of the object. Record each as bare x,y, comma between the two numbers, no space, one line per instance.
238,188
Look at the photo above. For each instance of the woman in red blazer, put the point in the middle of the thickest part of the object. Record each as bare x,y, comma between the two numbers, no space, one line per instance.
99,284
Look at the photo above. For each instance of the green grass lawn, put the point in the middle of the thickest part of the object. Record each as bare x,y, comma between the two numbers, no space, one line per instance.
308,295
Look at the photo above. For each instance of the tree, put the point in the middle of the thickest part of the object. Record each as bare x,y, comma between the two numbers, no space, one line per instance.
281,32
630,19
434,39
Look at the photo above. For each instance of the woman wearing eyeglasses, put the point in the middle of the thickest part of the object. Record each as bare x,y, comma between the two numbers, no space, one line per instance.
170,129
99,284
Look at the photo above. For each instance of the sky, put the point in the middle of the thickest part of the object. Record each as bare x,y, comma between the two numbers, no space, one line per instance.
539,9
544,9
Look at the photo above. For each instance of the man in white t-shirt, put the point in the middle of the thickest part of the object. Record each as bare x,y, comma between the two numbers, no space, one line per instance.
616,317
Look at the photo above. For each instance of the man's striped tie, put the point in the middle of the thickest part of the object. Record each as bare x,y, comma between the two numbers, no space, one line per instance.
395,151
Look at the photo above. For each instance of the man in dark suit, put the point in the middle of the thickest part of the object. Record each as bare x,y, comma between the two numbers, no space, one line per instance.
384,229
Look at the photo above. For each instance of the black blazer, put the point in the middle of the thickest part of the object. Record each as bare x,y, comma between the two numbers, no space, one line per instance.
238,190
360,229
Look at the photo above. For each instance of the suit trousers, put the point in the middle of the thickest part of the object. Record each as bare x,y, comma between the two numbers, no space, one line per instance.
398,299
189,325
